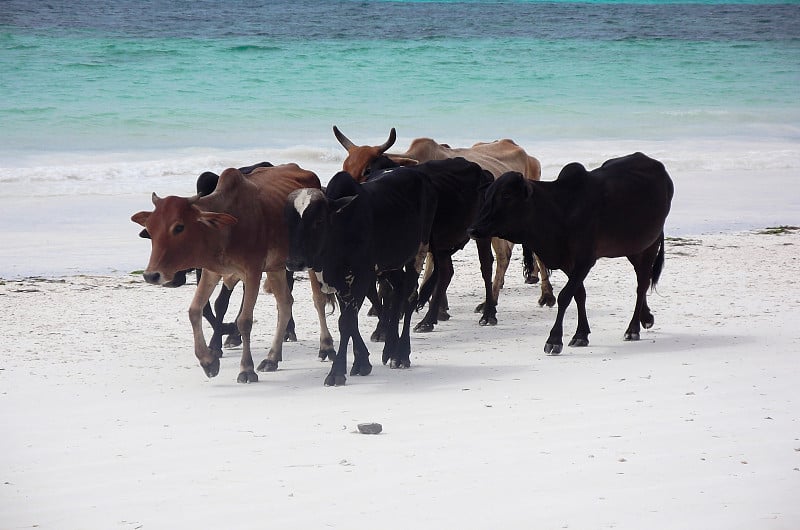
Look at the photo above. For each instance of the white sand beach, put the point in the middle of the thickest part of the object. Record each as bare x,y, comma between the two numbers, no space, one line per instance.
110,423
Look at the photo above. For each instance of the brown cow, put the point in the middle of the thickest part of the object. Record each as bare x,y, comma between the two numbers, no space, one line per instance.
498,157
238,230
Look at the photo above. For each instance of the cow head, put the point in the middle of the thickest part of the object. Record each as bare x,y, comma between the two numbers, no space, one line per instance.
182,236
503,208
362,159
309,216
306,214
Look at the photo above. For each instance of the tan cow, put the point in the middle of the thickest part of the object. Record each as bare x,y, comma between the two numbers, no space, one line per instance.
497,157
238,230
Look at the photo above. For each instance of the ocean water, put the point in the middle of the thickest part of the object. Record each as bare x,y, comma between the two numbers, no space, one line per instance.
114,98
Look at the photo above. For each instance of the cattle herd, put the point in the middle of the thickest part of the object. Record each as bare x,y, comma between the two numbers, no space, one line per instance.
384,219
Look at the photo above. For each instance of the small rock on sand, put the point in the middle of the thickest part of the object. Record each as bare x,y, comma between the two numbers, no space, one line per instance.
370,428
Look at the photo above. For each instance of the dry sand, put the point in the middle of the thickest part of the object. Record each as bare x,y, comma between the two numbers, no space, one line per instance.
108,421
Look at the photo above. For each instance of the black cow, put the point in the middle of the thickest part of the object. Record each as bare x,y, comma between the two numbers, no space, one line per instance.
460,186
350,234
616,210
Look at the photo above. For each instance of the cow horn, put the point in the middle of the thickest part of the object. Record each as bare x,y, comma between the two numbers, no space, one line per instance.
390,141
156,199
344,140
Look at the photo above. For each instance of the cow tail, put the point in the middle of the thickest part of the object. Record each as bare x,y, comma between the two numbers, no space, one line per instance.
426,290
658,266
330,300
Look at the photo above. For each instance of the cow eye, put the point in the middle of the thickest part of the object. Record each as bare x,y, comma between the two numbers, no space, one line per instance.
177,230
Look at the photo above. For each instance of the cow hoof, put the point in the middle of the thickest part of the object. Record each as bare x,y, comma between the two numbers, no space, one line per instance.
648,321
402,364
248,376
444,316
423,327
335,380
479,307
377,336
547,300
268,365
363,370
531,279
212,369
328,353
233,341
552,349
631,336
290,336
488,321
579,342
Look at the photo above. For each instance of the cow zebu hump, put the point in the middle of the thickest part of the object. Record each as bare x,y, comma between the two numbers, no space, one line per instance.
572,173
342,184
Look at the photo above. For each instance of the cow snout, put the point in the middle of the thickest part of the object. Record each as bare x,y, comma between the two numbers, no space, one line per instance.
152,277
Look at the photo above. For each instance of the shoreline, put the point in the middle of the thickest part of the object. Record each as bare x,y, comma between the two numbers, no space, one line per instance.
81,233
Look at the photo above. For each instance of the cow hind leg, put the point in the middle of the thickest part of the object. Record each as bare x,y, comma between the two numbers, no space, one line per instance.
326,349
290,335
643,265
502,252
383,295
229,329
276,284
547,298
221,328
408,301
244,322
361,364
392,310
581,337
444,262
215,344
489,310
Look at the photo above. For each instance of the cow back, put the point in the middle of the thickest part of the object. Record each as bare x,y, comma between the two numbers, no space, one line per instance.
402,204
257,200
460,186
496,157
624,203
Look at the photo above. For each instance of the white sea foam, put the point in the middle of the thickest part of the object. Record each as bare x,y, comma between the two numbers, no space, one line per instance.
79,204
174,172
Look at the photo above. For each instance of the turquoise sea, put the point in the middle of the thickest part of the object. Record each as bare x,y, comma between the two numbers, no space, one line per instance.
117,97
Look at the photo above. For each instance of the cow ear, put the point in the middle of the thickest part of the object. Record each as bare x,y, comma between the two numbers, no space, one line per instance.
528,188
216,220
339,205
141,217
403,161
